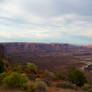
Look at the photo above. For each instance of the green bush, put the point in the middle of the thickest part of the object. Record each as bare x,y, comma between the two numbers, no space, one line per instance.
3,75
17,68
15,80
66,85
77,77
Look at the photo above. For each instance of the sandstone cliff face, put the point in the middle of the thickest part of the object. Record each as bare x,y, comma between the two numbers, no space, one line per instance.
43,49
1,51
38,48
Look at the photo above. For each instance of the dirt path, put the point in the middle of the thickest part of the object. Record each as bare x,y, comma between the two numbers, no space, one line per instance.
5,90
50,89
53,89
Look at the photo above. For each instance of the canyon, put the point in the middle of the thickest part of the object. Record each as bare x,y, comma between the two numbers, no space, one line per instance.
57,57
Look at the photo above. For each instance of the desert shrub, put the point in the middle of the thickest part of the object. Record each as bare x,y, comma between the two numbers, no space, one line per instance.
47,81
87,88
60,76
49,74
66,85
31,66
76,77
40,86
15,80
31,76
31,87
2,69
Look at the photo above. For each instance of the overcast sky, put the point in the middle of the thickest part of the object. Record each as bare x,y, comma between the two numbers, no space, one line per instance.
68,21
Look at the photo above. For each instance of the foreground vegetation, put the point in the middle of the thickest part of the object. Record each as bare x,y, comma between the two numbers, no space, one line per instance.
28,78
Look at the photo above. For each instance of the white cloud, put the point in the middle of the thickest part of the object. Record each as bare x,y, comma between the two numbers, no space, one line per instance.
36,20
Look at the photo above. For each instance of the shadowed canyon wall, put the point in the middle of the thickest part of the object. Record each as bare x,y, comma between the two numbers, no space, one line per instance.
1,51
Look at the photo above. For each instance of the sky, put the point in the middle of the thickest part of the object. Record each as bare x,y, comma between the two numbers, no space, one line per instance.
59,21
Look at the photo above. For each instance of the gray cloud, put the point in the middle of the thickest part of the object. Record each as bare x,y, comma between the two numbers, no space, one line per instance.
59,7
81,7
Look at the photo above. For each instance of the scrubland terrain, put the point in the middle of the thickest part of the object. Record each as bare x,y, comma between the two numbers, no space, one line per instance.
31,67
